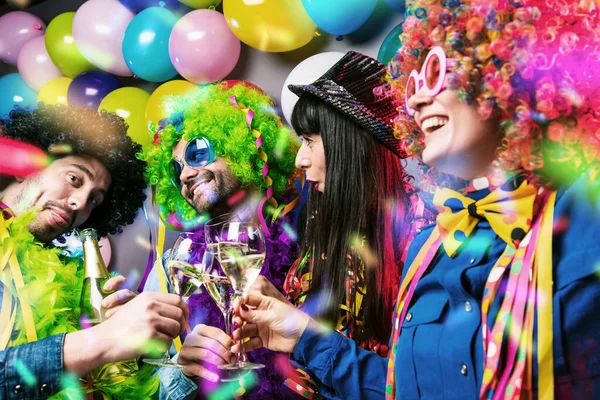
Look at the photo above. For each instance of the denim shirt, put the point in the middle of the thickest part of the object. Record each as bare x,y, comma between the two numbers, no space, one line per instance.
31,371
440,350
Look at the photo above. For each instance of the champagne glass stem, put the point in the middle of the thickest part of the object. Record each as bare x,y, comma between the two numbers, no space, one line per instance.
227,314
241,356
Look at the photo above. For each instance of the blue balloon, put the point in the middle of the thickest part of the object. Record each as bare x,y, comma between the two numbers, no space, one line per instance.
146,44
174,5
15,92
339,17
89,88
391,44
397,5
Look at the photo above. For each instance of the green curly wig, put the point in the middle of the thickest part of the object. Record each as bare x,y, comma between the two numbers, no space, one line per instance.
211,114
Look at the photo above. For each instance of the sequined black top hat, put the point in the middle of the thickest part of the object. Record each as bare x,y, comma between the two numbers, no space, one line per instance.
355,87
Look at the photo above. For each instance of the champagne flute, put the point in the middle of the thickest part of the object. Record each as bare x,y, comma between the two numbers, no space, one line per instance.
241,253
184,271
217,285
212,231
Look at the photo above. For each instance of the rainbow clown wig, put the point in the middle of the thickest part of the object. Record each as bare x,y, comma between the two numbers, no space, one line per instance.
532,64
261,157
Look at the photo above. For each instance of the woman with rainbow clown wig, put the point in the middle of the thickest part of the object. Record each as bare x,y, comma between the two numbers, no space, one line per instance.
499,297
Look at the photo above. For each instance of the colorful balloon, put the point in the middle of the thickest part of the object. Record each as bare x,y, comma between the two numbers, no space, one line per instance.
130,103
202,47
98,29
201,3
339,17
397,5
391,44
146,44
89,88
34,64
61,46
55,91
173,5
15,92
160,104
270,25
16,29
304,73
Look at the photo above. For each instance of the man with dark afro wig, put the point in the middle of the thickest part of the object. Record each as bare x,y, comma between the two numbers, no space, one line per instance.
93,180
103,136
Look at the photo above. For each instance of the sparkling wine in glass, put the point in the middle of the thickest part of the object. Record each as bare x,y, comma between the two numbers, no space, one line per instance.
241,253
185,273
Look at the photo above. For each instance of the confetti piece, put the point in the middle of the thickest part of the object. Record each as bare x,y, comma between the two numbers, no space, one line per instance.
25,373
235,198
21,159
60,149
291,232
230,390
143,242
84,322
70,383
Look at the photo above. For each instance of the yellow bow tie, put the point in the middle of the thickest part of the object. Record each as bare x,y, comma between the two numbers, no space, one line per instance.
509,213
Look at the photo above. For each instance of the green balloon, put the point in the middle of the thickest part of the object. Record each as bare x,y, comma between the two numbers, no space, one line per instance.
61,46
391,44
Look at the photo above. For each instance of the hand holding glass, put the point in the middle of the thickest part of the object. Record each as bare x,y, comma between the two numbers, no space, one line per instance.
241,252
185,270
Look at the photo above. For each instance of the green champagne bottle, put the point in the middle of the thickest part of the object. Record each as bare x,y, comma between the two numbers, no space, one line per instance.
95,276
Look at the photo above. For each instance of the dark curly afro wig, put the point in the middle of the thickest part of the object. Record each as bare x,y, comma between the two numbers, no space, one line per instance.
100,135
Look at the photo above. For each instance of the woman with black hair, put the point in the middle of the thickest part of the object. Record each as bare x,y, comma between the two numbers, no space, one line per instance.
359,217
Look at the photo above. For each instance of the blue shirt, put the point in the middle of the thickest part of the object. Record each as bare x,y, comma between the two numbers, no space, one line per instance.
43,359
440,350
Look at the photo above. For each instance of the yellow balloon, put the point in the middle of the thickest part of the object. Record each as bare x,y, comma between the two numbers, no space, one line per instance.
200,3
130,104
160,104
55,91
270,25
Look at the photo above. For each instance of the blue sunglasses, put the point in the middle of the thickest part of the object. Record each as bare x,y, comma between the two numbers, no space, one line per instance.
198,153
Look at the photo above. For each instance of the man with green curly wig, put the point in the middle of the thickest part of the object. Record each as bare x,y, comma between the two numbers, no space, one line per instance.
93,179
224,151
221,146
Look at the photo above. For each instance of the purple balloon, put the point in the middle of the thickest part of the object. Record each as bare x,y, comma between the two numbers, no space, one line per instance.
89,88
16,29
172,5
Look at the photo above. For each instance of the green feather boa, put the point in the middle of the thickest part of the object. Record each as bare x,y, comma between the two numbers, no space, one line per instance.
53,285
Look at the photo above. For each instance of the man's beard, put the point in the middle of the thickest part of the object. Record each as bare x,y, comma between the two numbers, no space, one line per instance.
221,186
43,231
40,228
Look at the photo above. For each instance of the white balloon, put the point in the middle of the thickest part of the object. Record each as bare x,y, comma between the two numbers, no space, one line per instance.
304,73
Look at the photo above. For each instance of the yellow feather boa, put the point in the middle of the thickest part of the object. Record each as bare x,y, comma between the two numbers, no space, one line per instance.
53,287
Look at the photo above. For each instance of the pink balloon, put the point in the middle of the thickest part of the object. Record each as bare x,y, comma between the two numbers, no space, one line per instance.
98,30
16,29
34,64
202,47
